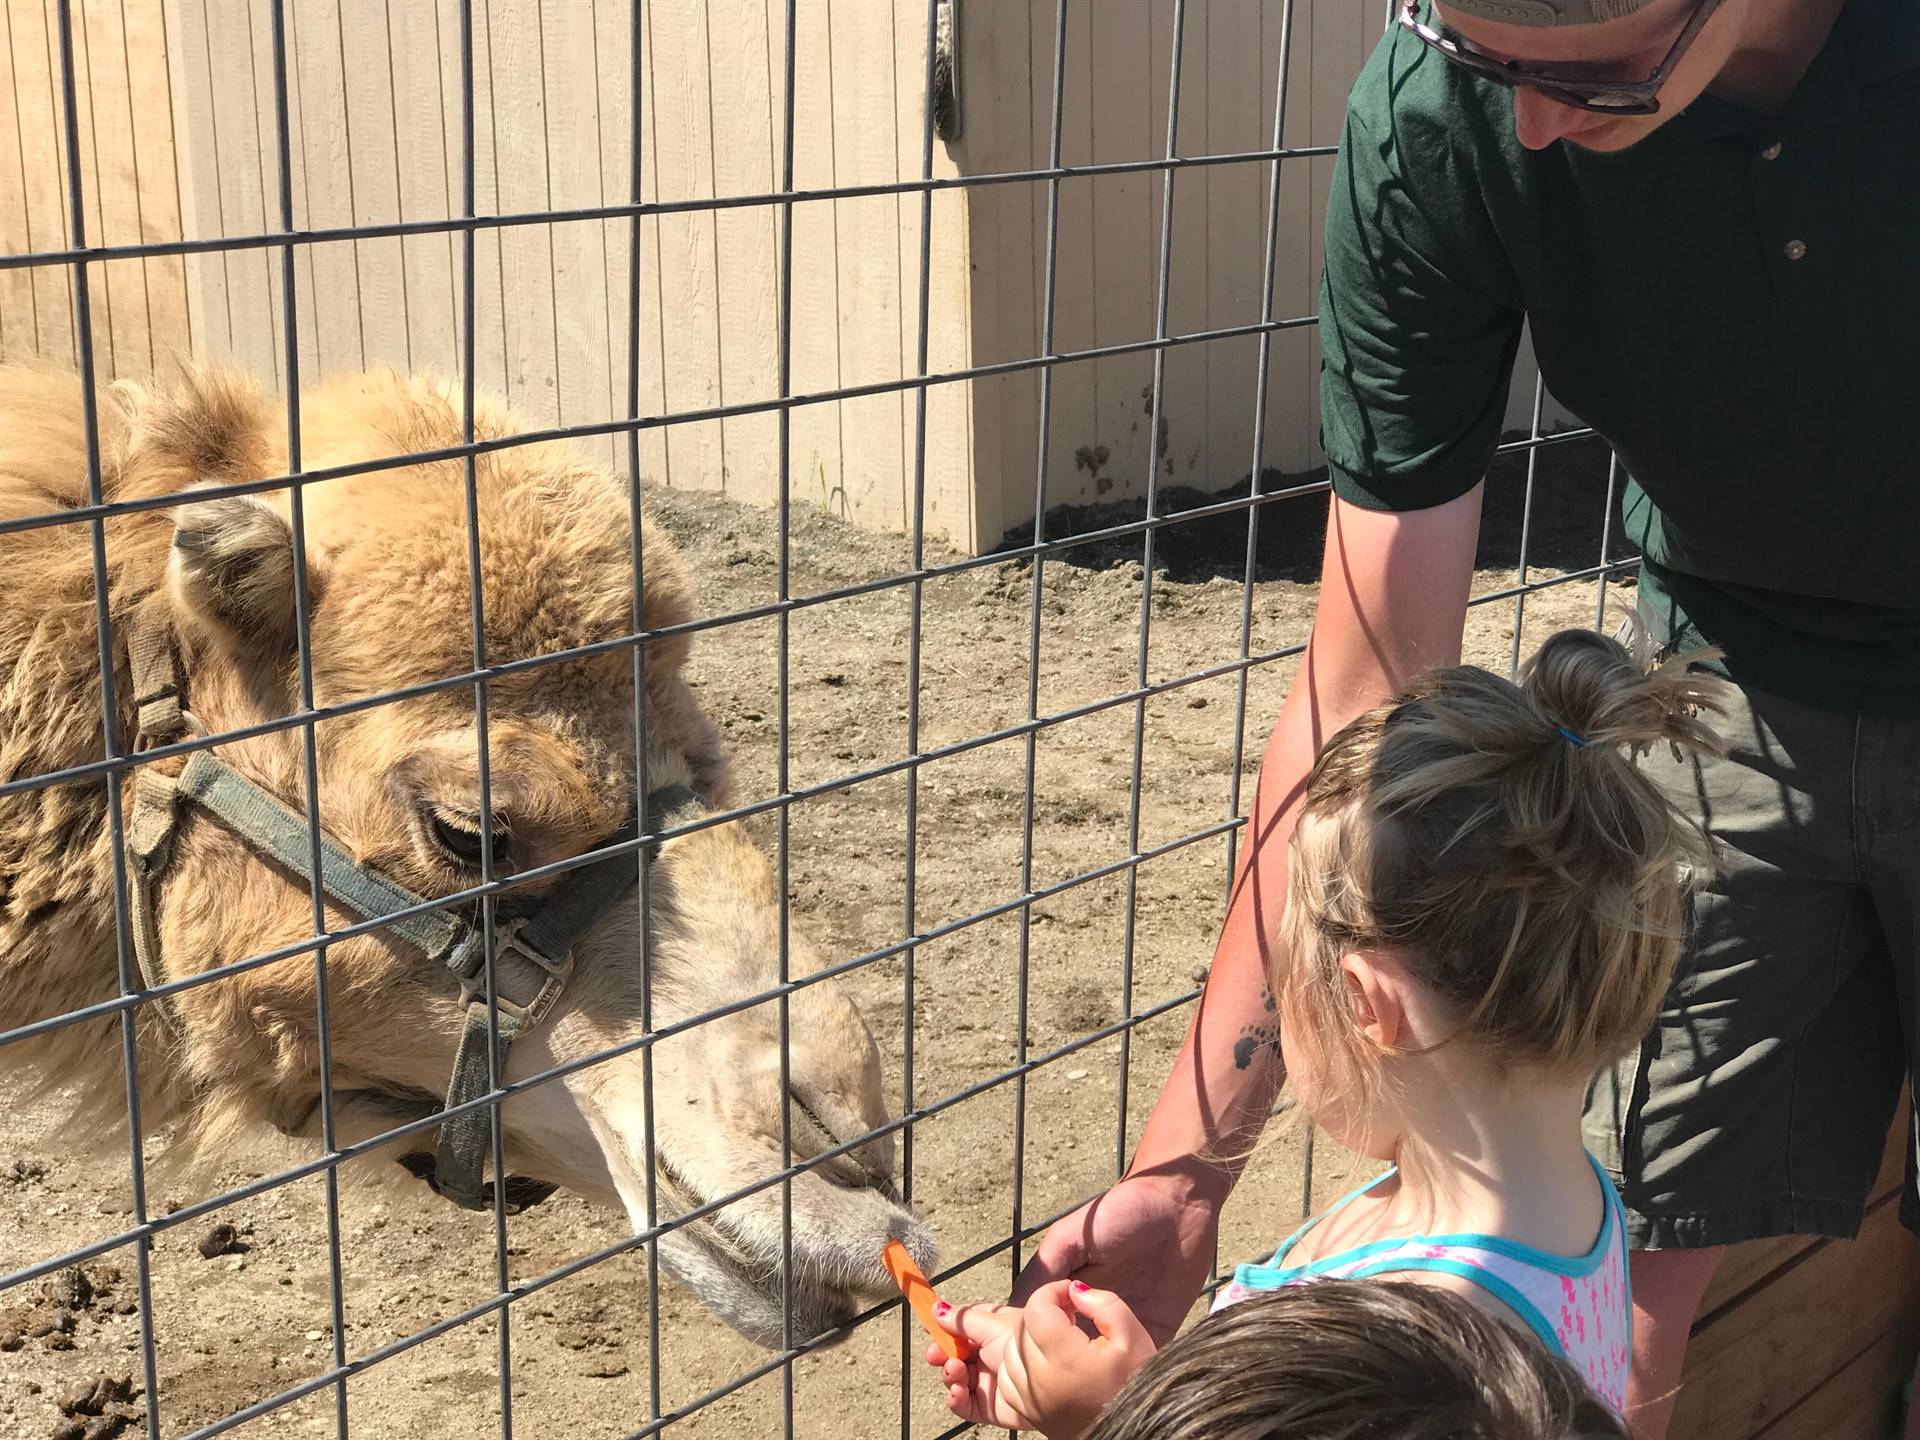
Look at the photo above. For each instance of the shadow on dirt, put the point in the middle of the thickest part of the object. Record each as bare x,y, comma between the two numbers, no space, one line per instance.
1569,506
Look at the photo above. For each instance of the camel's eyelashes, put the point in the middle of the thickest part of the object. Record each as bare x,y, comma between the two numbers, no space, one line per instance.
460,840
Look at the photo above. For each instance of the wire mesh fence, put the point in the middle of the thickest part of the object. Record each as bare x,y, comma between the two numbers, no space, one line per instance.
930,738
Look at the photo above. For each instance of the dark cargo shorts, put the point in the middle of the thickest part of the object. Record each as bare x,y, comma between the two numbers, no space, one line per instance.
1760,1102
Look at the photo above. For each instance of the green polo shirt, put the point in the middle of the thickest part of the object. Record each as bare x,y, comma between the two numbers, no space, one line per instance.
1734,304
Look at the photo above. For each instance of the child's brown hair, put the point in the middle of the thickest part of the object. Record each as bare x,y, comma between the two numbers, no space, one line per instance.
1500,841
1355,1360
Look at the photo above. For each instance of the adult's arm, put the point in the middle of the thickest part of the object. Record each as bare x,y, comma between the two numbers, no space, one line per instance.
1392,601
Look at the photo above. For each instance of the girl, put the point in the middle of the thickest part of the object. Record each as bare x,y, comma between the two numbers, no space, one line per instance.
1486,903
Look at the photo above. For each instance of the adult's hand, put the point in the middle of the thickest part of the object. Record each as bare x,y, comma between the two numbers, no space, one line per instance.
1150,1240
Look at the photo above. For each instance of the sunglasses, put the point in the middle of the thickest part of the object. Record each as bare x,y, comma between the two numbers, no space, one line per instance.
1611,97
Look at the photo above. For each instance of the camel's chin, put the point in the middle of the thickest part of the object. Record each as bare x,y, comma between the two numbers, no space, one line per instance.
733,1257
752,1304
834,1280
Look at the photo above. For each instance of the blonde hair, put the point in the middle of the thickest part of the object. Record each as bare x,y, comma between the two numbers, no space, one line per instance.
1500,841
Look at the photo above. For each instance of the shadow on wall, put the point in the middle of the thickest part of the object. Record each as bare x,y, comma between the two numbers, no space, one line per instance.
1569,502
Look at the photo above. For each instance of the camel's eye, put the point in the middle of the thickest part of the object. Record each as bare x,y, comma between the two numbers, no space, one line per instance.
459,839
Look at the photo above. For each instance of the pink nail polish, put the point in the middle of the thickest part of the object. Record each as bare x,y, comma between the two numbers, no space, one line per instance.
1081,1285
941,1307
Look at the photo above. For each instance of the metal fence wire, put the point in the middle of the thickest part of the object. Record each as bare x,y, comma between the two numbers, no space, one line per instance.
1046,550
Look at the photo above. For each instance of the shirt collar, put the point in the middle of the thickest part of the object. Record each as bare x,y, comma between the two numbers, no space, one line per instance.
1871,41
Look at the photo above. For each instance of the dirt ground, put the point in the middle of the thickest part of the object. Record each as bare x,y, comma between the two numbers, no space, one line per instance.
236,1328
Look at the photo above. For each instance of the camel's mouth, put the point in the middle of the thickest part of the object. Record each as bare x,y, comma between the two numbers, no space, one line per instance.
734,1257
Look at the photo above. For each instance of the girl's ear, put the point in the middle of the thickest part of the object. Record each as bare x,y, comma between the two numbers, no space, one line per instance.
1376,988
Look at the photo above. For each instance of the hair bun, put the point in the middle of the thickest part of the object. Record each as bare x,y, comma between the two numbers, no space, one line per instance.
1594,692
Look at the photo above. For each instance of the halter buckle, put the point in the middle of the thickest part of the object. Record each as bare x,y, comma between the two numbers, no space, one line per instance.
508,938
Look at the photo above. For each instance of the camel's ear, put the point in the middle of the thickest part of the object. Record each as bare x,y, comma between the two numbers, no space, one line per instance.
232,572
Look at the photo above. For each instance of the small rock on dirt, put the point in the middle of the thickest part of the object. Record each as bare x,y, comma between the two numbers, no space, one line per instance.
99,1409
220,1240
93,1396
71,1289
57,1321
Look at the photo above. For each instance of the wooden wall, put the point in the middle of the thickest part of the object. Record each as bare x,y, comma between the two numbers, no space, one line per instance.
178,138
1809,1339
1114,108
129,189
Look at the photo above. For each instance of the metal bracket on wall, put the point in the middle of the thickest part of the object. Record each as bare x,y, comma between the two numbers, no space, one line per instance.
946,71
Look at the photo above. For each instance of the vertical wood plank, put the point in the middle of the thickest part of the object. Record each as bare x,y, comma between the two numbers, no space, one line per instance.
683,114
424,186
1342,36
35,51
614,52
119,303
100,277
369,114
151,67
577,249
1007,291
822,284
1291,437
1074,427
949,467
19,317
222,180
746,298
493,362
1125,233
1187,458
523,181
331,336
1236,222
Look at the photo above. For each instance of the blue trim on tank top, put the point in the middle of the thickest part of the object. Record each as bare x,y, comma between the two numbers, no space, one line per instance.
1504,1291
1274,1274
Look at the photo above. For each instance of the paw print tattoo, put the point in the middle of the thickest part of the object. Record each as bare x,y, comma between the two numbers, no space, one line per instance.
1255,1038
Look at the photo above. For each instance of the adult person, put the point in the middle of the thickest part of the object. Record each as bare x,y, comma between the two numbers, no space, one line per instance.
1708,211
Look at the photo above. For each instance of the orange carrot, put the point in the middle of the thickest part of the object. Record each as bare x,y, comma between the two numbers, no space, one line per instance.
913,1284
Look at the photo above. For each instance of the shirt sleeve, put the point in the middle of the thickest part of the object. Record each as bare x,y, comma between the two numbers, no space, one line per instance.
1419,311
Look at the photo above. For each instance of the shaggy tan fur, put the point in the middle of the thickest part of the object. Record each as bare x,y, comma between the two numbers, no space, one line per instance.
387,565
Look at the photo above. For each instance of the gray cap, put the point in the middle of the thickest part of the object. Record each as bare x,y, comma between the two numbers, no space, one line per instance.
1547,12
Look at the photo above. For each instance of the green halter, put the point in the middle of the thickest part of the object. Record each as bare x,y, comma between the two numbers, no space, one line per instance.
544,934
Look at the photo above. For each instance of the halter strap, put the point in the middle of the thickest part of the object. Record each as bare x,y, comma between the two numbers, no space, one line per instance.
546,937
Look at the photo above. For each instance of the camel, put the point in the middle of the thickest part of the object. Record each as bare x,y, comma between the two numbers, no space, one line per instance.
398,792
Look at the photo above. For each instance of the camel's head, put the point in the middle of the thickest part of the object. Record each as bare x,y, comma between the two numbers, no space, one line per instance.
400,790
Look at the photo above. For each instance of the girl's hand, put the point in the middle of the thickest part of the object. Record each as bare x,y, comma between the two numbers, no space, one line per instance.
1036,1369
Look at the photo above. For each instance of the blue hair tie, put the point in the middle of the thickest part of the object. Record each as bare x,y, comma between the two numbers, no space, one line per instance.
1577,741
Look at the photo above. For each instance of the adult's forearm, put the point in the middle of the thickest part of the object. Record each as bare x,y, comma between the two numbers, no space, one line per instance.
1392,599
1229,1068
